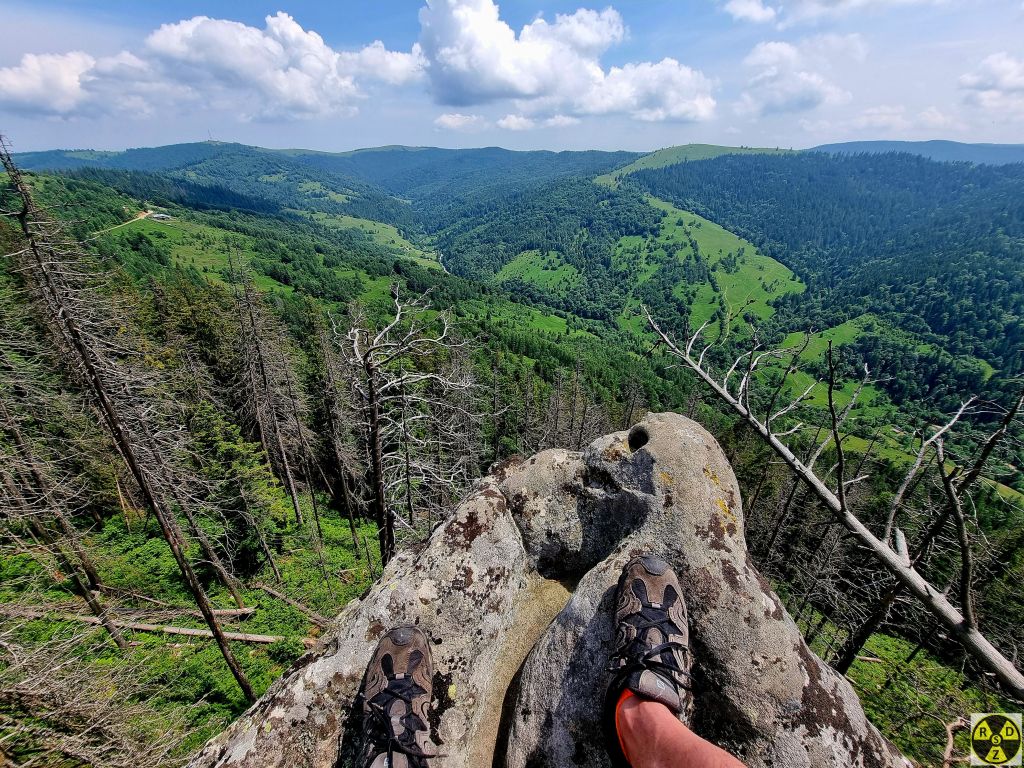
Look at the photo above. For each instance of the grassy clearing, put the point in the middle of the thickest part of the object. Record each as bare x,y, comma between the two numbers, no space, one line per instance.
545,271
909,701
909,694
682,153
208,249
384,234
741,272
317,189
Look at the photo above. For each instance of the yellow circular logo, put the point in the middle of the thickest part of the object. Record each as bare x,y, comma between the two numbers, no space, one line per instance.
995,740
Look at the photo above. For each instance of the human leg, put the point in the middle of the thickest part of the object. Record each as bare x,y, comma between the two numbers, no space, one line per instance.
649,699
651,736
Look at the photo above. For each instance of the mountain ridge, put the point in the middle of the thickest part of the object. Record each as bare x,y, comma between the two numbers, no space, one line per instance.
935,149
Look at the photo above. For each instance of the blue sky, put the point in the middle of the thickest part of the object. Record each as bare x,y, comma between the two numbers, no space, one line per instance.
637,74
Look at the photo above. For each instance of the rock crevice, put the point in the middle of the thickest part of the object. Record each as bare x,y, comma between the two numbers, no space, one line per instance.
515,592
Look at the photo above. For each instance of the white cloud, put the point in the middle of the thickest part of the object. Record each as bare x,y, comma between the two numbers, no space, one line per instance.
933,117
292,72
517,123
548,68
796,11
550,71
514,122
796,77
75,83
46,83
456,121
889,119
884,118
996,84
376,62
281,71
750,10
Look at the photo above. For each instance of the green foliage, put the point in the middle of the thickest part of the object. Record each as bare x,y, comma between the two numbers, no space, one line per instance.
551,269
910,697
680,154
932,249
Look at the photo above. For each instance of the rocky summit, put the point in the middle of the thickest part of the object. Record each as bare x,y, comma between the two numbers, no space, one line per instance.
515,591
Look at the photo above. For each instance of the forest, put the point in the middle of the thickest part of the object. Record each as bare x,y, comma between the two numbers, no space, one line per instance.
226,421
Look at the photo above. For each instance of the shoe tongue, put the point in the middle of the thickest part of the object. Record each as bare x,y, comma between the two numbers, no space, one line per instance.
396,708
397,761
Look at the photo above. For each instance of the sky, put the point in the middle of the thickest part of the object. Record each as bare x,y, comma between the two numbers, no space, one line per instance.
636,74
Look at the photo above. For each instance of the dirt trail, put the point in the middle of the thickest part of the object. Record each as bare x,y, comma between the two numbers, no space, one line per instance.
139,215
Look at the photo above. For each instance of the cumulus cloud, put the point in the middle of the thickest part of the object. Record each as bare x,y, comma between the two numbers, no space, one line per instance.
291,71
517,123
474,57
550,71
75,83
795,77
46,83
884,118
996,84
280,71
456,121
889,119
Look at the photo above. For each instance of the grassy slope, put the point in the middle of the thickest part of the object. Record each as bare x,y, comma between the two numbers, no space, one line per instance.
545,271
672,155
385,234
758,278
207,248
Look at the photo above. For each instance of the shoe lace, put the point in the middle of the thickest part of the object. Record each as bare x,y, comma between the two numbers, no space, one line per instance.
661,658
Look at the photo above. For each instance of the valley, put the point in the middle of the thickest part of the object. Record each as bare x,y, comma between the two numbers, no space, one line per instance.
548,259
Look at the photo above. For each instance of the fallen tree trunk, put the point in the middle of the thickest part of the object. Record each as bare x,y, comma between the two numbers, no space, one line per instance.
242,637
897,563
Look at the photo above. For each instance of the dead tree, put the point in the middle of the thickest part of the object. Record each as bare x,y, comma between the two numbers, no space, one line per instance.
734,389
410,393
339,412
265,377
36,495
91,339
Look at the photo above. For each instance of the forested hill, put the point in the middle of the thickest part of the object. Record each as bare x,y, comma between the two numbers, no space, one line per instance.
363,182
937,248
947,151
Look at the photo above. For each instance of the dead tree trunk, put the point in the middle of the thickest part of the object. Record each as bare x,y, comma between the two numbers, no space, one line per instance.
264,398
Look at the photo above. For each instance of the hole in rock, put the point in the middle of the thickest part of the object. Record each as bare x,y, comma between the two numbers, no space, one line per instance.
638,438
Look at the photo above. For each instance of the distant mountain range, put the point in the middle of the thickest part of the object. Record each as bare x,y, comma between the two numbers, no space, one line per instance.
951,151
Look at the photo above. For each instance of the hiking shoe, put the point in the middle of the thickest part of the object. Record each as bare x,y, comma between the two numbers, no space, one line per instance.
652,657
396,697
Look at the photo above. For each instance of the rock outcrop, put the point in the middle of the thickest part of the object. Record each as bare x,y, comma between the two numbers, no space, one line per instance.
515,592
